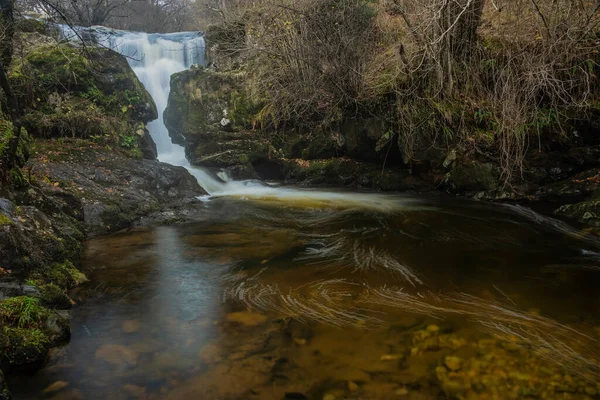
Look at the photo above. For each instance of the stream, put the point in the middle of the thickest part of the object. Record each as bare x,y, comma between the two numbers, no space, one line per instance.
283,293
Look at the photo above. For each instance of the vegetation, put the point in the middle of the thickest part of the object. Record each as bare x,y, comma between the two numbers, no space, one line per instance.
147,16
63,275
492,79
22,312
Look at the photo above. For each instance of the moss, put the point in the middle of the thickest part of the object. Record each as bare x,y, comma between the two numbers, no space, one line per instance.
54,297
31,25
64,275
22,346
4,220
472,177
24,147
69,92
114,218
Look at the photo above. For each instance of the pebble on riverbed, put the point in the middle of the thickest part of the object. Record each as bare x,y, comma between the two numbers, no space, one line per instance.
246,318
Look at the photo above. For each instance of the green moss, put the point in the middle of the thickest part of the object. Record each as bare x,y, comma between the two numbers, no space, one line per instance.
22,312
24,147
65,92
31,25
22,346
63,275
4,220
54,297
114,218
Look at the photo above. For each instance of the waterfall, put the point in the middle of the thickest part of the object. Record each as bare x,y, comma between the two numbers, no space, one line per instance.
154,58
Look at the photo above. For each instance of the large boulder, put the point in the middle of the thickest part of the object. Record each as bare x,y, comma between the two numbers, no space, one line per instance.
212,115
112,191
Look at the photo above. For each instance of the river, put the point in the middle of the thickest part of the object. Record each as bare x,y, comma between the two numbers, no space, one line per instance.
285,293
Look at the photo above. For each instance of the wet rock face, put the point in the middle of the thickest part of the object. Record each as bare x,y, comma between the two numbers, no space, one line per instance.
112,191
210,114
29,239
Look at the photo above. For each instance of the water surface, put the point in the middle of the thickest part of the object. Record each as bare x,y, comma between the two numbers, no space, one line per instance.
355,297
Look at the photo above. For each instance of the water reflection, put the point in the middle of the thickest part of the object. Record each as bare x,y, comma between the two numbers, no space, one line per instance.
268,301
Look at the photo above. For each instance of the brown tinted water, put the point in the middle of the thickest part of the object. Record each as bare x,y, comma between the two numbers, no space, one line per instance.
425,299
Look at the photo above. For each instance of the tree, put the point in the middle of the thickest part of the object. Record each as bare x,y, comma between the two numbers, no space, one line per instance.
11,105
83,12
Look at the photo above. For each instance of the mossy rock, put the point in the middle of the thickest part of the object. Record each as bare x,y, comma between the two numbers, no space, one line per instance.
472,177
55,297
64,275
7,132
31,25
23,346
67,91
115,218
5,221
201,98
28,332
586,212
22,312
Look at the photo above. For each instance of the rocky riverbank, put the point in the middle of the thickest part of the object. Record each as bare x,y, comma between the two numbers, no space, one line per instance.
87,167
214,114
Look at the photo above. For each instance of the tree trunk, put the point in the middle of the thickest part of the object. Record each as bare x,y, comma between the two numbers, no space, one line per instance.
7,30
453,37
9,159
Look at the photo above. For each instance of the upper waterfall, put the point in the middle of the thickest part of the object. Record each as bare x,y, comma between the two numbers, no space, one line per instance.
154,58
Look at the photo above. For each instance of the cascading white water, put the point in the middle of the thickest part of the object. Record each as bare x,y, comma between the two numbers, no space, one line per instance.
154,58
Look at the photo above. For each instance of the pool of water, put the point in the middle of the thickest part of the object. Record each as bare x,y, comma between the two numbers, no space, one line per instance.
385,297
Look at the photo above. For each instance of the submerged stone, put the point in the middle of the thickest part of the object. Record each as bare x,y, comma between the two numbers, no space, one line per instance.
453,363
56,387
246,318
117,355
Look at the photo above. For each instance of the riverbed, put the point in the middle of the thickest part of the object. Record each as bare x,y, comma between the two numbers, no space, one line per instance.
335,296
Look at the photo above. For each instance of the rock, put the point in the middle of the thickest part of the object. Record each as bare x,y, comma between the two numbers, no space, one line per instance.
58,328
7,207
591,391
453,363
210,113
246,318
74,394
109,191
147,145
401,392
117,355
13,288
295,396
392,357
450,158
300,342
353,387
471,177
56,387
433,328
33,240
131,326
133,390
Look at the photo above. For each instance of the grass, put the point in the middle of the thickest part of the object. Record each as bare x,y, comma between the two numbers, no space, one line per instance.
22,312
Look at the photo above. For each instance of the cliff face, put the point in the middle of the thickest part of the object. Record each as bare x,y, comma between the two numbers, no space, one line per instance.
88,93
211,115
